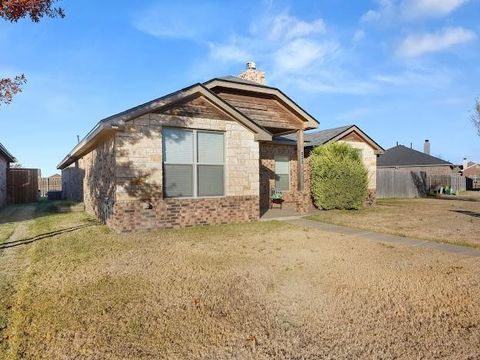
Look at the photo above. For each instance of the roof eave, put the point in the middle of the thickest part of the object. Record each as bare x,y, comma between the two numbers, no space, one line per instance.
102,129
6,154
379,150
117,121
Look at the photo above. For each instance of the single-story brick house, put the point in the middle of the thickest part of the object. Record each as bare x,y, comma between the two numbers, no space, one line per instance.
5,159
206,154
403,158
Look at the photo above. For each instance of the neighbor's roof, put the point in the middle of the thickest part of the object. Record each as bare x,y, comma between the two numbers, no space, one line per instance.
403,156
110,124
316,138
6,154
470,164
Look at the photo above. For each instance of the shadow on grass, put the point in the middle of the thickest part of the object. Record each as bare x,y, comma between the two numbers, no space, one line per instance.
44,236
30,211
455,197
467,212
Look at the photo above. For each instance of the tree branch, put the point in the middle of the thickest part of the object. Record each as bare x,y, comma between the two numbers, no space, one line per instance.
10,87
14,10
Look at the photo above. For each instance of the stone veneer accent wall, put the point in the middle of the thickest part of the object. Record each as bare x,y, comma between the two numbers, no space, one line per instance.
139,202
369,160
3,181
299,201
99,180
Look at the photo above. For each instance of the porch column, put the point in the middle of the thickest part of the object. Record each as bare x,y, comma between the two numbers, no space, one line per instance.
300,165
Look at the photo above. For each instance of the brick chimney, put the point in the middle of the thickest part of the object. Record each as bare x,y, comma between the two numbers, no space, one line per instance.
251,73
465,163
426,147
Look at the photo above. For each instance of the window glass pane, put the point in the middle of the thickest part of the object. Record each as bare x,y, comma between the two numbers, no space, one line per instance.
282,173
177,146
282,165
282,182
178,180
210,180
210,147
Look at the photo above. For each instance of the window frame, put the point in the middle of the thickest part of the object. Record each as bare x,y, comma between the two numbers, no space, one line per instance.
195,163
288,160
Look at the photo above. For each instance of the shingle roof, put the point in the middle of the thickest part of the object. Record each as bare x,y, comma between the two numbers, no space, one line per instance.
315,138
6,154
403,156
324,136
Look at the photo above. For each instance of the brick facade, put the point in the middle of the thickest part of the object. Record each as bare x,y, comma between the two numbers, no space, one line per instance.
299,201
3,180
178,213
99,180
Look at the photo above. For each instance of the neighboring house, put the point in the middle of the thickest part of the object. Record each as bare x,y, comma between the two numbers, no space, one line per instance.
407,159
350,134
5,159
51,183
194,156
471,169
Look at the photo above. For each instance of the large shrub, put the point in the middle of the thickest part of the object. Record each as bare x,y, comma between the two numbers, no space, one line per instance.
339,178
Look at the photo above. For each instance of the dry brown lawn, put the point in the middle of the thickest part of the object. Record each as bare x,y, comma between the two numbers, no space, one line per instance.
449,221
250,291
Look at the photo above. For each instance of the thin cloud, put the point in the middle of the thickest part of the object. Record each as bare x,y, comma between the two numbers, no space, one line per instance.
228,53
419,44
301,53
430,8
359,35
288,27
386,9
181,20
389,11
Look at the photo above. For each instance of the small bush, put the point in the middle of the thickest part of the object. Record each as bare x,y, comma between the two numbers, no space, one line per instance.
339,178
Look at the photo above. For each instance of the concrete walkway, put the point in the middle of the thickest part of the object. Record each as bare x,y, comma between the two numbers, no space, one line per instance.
385,238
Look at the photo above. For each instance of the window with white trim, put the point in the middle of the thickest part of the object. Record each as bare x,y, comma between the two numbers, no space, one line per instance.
193,163
282,173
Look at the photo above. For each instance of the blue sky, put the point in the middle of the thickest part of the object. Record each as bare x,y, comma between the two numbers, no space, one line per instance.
402,70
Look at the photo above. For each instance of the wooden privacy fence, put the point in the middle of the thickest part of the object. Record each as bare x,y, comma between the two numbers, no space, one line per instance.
393,183
22,185
456,182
